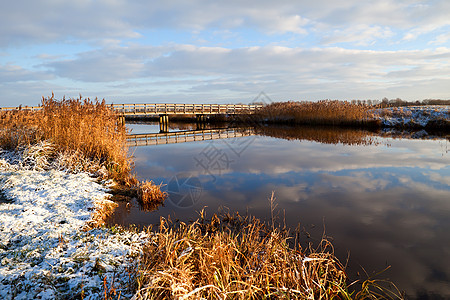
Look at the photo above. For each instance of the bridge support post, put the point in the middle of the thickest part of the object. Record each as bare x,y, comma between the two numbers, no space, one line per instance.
201,121
200,118
164,123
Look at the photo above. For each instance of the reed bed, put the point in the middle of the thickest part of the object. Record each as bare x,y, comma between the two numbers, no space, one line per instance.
235,257
74,134
325,112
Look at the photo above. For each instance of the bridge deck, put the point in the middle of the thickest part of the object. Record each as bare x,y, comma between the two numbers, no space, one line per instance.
186,136
169,109
204,109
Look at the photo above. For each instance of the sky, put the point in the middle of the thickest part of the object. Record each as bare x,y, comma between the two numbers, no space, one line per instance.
199,51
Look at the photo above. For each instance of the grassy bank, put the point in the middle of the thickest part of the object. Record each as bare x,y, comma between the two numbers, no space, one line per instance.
78,135
345,114
85,131
336,113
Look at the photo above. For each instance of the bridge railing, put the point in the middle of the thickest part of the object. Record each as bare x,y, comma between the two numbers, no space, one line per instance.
164,108
186,136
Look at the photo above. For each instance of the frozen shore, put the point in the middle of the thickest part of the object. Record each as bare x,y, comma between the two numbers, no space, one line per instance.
44,251
413,116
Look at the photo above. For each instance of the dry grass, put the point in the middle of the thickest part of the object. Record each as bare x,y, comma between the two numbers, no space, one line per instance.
239,258
324,112
74,134
81,128
150,194
102,211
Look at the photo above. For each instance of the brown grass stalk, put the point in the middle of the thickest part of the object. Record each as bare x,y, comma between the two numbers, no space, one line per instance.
74,134
236,258
325,112
150,194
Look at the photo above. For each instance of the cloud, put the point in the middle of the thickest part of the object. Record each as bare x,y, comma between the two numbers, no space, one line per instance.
441,39
48,20
256,68
139,73
110,64
285,48
13,73
361,35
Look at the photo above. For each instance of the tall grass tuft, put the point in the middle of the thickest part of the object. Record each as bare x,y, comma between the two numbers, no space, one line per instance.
79,128
150,194
235,257
76,134
325,112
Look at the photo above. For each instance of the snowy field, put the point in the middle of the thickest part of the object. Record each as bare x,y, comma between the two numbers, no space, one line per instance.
412,116
44,251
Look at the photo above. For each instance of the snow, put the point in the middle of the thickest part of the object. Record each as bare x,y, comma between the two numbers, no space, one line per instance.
44,251
412,115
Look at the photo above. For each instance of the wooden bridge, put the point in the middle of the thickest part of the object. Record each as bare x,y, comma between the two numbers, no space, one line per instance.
163,110
186,136
168,109
184,109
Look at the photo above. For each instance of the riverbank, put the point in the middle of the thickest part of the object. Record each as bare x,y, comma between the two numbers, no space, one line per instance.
58,166
47,249
341,113
429,117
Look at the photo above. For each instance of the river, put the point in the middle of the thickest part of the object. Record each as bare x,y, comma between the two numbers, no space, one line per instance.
382,199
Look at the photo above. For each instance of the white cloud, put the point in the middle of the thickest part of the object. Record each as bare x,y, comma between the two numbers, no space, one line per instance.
189,72
440,39
249,46
14,73
46,20
267,63
361,35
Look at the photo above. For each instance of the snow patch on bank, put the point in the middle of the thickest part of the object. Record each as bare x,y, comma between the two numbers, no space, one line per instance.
411,116
44,253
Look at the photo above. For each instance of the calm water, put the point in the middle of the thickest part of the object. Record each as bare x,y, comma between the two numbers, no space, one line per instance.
382,201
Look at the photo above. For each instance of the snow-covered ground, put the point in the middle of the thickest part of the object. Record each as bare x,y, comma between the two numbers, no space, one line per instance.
412,116
44,251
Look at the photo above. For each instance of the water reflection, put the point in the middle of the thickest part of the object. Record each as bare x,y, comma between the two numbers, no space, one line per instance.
185,136
384,200
327,135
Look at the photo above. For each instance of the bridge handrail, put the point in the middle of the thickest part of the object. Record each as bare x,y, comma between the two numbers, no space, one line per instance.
178,108
165,108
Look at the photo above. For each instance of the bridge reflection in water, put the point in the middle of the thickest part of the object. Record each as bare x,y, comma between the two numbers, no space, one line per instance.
146,139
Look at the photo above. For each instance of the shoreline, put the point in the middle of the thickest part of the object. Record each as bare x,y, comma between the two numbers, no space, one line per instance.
47,251
428,117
